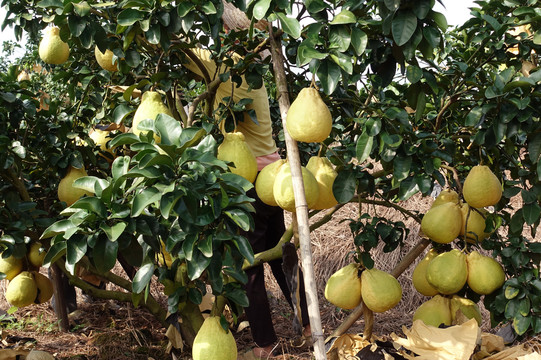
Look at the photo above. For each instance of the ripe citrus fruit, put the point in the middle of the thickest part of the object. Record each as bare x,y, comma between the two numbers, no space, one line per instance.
45,288
485,274
283,188
235,149
66,191
445,196
467,307
481,187
435,311
105,60
380,290
308,118
52,50
419,275
265,182
473,224
448,272
325,174
213,342
22,290
11,266
151,106
36,254
343,288
442,223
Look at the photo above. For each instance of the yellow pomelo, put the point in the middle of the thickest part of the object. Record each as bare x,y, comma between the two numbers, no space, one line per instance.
343,288
308,118
445,196
465,307
150,107
485,274
325,174
66,191
45,288
481,187
11,266
283,188
52,50
105,60
380,291
448,272
36,254
100,138
235,149
442,223
213,342
473,224
22,290
265,182
419,275
434,312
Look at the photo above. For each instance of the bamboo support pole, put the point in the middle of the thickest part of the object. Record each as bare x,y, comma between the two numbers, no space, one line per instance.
301,206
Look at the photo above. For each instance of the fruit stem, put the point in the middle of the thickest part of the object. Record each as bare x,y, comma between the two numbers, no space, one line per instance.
455,176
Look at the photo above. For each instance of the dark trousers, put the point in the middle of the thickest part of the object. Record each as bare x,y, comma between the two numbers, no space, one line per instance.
269,228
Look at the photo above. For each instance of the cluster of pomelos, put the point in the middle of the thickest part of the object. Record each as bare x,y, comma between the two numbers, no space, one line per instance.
26,285
308,120
442,275
377,289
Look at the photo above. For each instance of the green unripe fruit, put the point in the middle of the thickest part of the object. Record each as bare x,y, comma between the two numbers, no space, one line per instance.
448,272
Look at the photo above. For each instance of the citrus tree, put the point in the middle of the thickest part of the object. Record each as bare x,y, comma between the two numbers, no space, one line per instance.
415,106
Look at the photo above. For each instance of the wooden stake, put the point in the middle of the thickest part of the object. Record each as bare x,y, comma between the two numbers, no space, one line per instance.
301,206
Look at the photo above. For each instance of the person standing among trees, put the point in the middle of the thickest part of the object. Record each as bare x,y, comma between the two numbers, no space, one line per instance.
269,220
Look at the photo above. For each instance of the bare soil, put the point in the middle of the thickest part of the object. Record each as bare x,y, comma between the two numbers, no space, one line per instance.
108,330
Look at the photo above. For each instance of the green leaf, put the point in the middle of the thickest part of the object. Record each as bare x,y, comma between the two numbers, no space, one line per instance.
105,254
359,40
329,75
306,52
260,9
244,247
153,34
344,17
55,252
344,186
421,8
339,38
343,60
315,6
521,324
474,116
364,147
82,9
511,292
534,148
290,25
401,167
59,227
129,17
76,25
76,249
197,265
91,204
50,3
142,278
183,8
531,213
208,8
143,199
392,4
403,26
408,188
169,129
121,112
439,19
414,74
241,218
492,21
113,232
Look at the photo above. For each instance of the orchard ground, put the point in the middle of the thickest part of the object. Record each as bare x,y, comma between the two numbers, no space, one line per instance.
107,330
